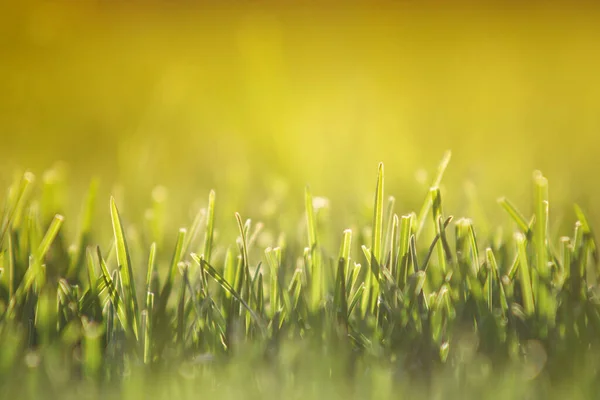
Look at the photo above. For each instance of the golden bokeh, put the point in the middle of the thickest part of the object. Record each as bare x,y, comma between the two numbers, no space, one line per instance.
206,95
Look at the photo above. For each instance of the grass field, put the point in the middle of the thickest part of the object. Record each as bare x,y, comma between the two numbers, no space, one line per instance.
192,203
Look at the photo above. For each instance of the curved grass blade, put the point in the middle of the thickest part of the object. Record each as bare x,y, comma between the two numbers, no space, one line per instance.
18,200
516,215
227,286
355,298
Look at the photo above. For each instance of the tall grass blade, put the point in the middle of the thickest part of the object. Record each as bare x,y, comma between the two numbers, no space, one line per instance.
525,276
315,267
127,277
437,180
210,223
170,280
113,294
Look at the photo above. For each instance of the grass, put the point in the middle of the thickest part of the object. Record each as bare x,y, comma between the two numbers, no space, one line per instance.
417,304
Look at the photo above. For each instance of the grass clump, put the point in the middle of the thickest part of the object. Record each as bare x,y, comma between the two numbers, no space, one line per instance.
415,304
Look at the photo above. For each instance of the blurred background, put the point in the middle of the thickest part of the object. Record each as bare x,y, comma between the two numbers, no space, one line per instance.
258,99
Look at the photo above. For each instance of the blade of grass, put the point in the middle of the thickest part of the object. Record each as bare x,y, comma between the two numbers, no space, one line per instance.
436,201
149,326
169,282
113,293
124,261
525,276
152,275
210,221
389,228
376,248
515,214
404,254
422,216
316,275
227,286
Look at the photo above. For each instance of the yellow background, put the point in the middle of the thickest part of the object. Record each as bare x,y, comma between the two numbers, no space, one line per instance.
229,95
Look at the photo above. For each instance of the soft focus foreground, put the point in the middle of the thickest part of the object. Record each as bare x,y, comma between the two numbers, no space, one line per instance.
164,103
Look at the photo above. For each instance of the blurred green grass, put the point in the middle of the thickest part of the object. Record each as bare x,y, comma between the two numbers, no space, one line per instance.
257,101
231,97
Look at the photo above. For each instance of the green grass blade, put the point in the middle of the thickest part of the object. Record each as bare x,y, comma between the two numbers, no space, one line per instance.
376,248
587,230
495,273
92,351
355,298
170,280
422,216
525,276
124,261
210,223
148,328
152,275
11,268
394,250
311,226
340,300
345,250
404,254
181,321
353,279
389,230
49,237
376,240
227,286
436,201
515,214
545,304
316,273
113,294
275,287
19,203
247,278
541,224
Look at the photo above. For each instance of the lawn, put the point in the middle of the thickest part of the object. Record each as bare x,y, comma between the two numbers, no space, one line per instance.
267,201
